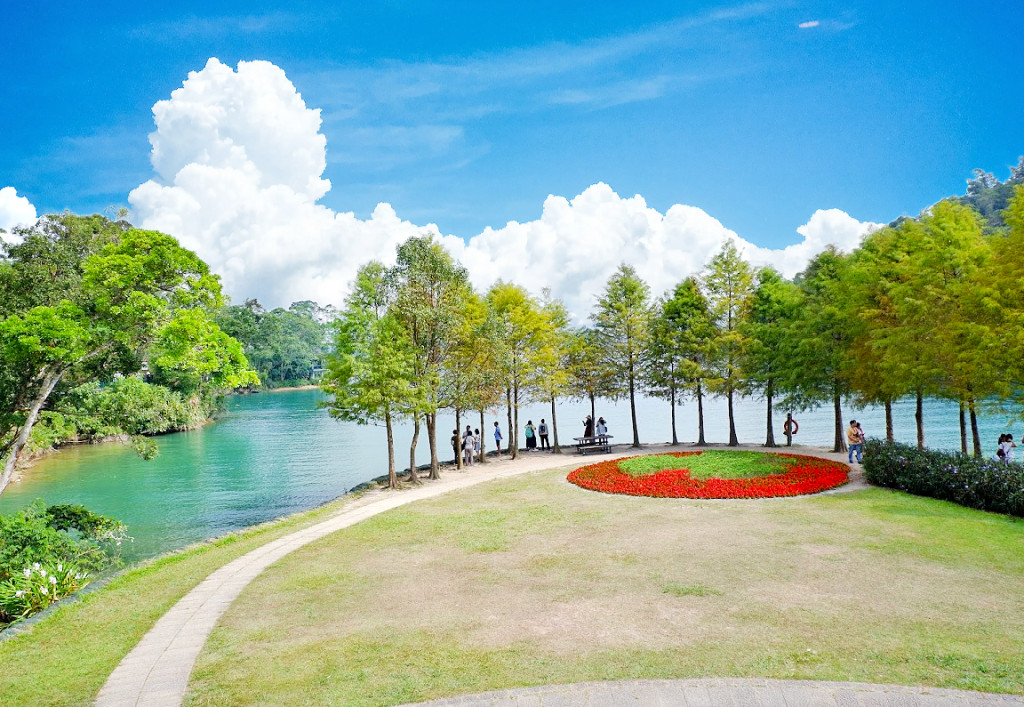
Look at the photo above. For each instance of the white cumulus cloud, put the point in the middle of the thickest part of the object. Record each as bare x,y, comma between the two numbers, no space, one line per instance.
826,227
14,211
239,160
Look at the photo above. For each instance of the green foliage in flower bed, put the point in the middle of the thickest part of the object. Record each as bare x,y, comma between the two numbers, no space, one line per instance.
710,464
985,484
48,553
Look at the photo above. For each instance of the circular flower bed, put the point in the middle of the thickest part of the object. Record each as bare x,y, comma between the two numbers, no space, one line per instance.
801,475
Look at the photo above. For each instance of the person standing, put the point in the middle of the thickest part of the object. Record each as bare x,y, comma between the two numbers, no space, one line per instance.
456,445
477,442
531,436
588,426
497,439
1007,446
853,439
602,427
543,432
468,447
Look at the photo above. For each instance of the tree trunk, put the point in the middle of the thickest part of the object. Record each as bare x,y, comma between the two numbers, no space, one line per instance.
435,468
672,402
483,440
770,439
510,429
733,440
788,429
919,419
413,477
555,449
392,473
513,434
593,408
963,429
973,410
837,405
510,439
632,410
889,437
700,416
49,381
458,433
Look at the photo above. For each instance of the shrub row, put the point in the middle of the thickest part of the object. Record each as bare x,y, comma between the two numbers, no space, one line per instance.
985,484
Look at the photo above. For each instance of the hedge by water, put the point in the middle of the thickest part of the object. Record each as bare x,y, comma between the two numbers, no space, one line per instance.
985,484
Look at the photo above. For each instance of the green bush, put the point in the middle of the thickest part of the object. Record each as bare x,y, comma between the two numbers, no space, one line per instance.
985,484
48,553
126,406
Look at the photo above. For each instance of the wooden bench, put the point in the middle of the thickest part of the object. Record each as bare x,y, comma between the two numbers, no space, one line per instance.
599,443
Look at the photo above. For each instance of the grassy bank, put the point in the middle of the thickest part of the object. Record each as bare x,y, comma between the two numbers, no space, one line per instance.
532,581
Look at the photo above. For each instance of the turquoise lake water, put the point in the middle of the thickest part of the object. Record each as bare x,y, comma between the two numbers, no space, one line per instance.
274,454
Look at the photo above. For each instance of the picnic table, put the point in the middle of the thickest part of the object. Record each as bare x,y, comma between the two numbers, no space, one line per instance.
597,443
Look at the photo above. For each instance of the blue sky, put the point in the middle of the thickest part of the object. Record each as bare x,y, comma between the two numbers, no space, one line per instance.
469,114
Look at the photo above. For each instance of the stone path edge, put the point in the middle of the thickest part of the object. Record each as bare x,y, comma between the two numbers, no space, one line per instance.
726,692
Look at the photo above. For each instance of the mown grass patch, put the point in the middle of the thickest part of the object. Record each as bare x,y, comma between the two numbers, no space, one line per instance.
585,587
710,464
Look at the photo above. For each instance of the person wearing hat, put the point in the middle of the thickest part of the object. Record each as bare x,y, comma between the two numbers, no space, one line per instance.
602,427
854,440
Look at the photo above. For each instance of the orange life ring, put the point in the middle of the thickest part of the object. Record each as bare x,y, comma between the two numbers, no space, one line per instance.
795,426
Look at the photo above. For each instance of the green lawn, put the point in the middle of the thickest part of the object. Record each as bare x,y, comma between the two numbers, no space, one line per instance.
533,581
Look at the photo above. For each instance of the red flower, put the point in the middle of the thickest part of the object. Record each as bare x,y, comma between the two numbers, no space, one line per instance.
805,475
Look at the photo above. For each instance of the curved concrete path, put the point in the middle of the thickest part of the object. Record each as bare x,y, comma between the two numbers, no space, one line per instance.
156,672
731,692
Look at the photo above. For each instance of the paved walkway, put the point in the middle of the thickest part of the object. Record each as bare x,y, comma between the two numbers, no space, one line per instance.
156,672
734,692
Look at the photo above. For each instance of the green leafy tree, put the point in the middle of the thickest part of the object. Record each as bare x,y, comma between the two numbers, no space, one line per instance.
884,358
590,376
681,334
773,305
520,325
820,334
550,359
136,288
951,308
432,292
369,378
623,323
285,346
728,284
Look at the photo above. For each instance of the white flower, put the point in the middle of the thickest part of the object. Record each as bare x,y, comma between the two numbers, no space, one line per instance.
53,580
27,572
19,594
35,566
42,573
60,567
45,592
